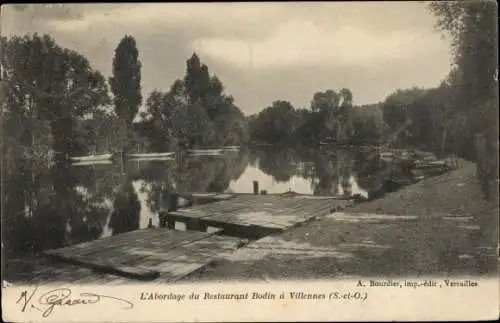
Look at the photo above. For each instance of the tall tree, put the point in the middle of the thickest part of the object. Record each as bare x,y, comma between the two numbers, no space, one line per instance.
276,123
126,81
335,110
196,79
473,28
194,112
344,119
325,101
48,89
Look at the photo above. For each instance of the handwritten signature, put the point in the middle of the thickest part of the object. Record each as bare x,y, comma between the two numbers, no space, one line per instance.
62,297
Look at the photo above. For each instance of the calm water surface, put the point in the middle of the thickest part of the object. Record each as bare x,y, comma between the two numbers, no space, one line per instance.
64,205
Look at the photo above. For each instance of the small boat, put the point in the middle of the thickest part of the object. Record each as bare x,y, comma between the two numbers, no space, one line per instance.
387,154
92,157
205,152
92,162
152,155
166,158
329,141
232,148
431,164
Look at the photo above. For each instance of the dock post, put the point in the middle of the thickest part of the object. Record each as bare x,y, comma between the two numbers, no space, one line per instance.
255,187
170,224
174,202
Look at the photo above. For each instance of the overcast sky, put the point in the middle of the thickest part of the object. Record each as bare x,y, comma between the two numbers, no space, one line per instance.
261,51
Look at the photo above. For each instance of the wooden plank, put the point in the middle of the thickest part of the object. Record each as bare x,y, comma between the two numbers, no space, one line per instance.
227,206
247,214
289,203
306,210
259,218
262,220
113,242
458,218
315,208
320,197
317,211
120,240
369,217
101,247
175,263
131,251
141,258
112,267
294,206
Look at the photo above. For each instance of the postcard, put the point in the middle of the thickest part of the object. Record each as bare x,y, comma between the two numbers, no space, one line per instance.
249,162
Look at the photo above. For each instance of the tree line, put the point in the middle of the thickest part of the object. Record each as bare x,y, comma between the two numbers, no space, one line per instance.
55,99
330,118
460,116
447,118
457,117
55,102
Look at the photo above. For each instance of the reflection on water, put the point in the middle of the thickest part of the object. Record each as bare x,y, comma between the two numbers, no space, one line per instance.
51,208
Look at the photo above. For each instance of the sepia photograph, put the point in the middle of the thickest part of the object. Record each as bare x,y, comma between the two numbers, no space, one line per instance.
160,145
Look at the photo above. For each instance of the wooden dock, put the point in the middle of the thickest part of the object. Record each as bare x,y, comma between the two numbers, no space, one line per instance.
149,254
214,232
254,216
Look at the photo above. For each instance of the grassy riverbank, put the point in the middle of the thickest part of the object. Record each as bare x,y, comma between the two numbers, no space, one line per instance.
441,226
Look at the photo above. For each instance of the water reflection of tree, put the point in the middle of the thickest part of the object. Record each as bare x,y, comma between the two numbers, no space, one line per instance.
280,164
25,194
370,171
44,210
230,169
334,171
253,158
327,174
189,174
329,169
158,181
126,209
99,181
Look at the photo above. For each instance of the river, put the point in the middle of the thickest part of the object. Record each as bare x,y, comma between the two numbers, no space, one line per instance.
67,204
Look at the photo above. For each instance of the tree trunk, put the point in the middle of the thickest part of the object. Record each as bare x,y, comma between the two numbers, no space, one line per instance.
443,140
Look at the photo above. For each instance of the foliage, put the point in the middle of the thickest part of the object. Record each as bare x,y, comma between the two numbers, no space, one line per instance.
365,131
472,26
446,118
126,82
276,123
329,118
195,112
49,89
